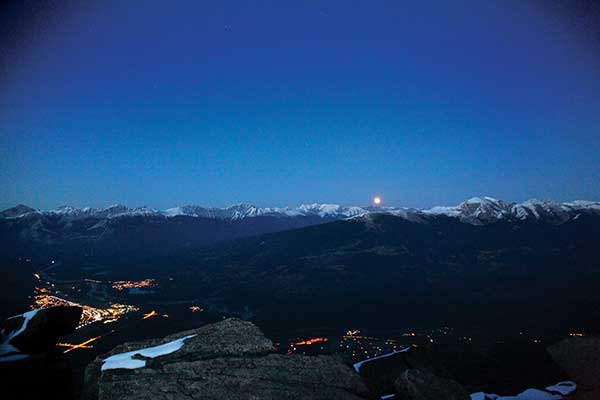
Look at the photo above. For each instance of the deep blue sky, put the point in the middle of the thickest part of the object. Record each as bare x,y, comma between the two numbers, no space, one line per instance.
278,103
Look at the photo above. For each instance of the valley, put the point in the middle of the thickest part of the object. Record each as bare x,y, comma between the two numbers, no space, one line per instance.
475,296
480,357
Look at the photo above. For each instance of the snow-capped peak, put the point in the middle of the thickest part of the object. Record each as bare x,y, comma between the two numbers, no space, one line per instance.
17,211
476,210
541,209
330,210
481,200
481,210
239,211
236,211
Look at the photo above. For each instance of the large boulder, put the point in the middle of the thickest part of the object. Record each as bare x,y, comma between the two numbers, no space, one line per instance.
230,359
414,384
580,358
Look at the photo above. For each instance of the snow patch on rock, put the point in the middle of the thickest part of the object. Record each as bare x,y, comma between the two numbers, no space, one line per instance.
360,363
554,392
127,360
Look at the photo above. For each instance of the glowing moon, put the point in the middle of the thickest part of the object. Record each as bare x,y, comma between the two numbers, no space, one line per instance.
377,200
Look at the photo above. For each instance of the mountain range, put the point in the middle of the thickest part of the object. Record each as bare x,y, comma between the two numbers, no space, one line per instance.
123,231
477,210
484,261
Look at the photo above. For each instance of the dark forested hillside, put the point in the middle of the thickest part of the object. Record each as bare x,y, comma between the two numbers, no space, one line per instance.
385,270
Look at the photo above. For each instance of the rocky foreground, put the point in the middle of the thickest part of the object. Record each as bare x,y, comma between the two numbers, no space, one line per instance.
231,359
579,357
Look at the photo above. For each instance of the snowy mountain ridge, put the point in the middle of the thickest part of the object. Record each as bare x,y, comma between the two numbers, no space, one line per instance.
477,210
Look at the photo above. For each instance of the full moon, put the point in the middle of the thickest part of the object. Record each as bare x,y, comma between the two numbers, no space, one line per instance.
377,200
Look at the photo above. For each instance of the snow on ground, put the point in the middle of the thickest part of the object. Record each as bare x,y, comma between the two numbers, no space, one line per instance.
360,363
126,360
579,204
6,348
442,210
563,388
173,212
483,396
13,357
532,394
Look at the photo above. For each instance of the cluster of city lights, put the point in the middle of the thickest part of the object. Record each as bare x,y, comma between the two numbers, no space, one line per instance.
122,285
308,342
90,314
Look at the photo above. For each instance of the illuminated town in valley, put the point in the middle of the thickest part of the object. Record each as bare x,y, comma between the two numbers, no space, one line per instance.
122,285
108,301
50,292
90,314
102,302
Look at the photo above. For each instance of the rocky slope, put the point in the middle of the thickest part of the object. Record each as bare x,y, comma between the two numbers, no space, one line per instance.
231,359
580,358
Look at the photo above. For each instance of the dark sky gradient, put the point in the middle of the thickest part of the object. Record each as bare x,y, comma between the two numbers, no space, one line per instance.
146,103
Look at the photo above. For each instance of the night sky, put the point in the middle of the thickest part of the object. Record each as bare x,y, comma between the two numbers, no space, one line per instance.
280,103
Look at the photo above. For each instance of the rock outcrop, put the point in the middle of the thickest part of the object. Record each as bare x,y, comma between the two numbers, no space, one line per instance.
580,358
414,384
230,359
